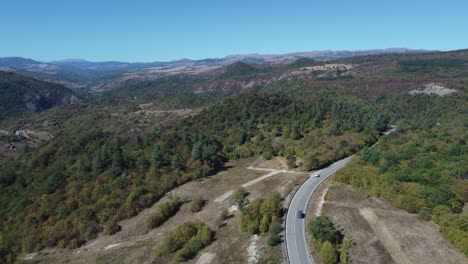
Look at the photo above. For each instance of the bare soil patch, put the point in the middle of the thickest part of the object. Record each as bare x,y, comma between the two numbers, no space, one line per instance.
384,234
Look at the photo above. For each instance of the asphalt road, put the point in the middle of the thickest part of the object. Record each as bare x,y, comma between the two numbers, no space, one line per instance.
296,244
298,250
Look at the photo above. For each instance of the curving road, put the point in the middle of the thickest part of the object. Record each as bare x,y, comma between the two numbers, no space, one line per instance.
296,244
298,250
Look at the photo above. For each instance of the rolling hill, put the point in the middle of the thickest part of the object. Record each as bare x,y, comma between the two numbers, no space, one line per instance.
21,95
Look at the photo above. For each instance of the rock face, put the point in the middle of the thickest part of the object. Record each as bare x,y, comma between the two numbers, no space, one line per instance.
434,88
20,94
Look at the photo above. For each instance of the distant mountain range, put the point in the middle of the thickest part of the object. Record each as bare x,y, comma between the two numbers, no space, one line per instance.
78,73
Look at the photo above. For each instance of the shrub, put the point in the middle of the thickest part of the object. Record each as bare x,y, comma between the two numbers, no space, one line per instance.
186,240
424,215
203,238
275,228
274,239
322,229
164,211
112,227
240,198
223,216
327,253
258,217
344,248
239,194
291,162
197,204
177,238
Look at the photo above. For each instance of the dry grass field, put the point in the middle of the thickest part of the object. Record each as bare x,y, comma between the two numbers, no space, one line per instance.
382,233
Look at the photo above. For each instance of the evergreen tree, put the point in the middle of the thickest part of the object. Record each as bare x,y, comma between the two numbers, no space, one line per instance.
157,159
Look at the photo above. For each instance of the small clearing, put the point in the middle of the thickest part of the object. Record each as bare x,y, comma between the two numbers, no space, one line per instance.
434,88
271,173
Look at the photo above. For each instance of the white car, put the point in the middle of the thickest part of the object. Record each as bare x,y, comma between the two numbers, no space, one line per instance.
317,175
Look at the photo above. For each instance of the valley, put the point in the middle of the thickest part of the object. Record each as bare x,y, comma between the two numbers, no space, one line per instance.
199,161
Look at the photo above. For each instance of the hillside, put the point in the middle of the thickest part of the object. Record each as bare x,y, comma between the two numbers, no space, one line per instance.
149,135
22,95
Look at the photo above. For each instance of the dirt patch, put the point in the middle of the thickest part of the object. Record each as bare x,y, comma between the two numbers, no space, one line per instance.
384,234
277,163
206,258
253,250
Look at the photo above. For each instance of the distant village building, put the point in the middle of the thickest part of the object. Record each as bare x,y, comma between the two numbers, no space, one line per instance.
22,133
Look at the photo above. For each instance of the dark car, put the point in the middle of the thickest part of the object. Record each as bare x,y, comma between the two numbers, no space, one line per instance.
300,214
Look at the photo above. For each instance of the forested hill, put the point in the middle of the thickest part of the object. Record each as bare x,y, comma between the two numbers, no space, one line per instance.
124,152
21,95
81,184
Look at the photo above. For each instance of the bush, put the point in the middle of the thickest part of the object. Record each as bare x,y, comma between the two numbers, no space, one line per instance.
344,249
258,217
291,162
424,215
240,198
311,163
186,240
177,238
203,238
274,240
223,216
239,194
112,227
267,154
322,229
197,204
327,253
275,228
164,211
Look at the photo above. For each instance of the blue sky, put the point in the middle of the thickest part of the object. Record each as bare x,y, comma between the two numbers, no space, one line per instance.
163,30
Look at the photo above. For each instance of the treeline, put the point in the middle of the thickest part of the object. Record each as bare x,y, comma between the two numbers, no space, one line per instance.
322,127
430,65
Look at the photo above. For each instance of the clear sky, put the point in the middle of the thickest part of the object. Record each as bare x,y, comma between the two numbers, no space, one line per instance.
162,30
